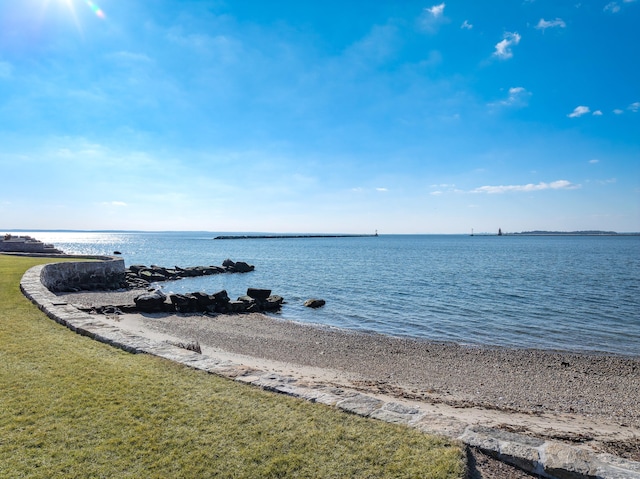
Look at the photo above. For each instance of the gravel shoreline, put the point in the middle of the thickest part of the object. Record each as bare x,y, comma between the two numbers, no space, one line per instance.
529,381
598,392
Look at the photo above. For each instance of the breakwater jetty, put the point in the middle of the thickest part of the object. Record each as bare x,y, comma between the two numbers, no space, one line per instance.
235,237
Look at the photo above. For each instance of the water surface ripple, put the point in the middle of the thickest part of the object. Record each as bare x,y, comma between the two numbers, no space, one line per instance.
567,293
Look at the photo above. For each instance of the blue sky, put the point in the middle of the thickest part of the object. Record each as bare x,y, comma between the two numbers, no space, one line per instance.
351,116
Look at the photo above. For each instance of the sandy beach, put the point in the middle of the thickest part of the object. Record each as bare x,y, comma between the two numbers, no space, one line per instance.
580,398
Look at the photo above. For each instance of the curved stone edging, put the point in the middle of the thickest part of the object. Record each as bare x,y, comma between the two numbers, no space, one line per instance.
550,459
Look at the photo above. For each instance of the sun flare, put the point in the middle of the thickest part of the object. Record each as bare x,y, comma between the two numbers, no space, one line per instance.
95,8
70,4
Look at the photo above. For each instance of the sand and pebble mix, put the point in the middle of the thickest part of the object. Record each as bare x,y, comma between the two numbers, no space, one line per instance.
589,396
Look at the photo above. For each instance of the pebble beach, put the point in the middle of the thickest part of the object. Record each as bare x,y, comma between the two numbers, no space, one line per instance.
578,397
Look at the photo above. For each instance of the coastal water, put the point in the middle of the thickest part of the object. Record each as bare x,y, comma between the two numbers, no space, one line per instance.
572,293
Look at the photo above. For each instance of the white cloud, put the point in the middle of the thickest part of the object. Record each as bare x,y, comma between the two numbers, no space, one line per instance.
383,190
618,111
612,7
544,24
594,161
615,7
119,204
579,111
554,185
503,48
597,113
518,97
436,193
436,10
432,18
466,25
634,107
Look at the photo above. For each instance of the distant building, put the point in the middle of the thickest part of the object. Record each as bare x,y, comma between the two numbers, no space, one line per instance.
26,244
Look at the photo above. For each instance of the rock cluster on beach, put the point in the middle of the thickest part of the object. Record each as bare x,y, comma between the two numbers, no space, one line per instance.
141,276
256,300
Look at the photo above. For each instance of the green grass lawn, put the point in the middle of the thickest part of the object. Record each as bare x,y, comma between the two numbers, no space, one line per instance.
72,407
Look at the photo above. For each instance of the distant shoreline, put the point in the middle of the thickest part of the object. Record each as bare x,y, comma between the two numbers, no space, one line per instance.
285,235
572,233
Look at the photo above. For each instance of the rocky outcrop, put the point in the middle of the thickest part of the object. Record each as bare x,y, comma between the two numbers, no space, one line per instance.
151,302
255,301
141,276
314,303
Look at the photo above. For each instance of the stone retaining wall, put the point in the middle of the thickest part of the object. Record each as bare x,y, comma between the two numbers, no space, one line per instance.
107,273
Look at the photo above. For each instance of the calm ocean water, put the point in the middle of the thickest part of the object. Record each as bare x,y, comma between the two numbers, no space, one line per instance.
566,293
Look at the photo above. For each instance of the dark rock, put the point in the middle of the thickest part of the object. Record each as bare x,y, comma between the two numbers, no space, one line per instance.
190,272
314,303
221,296
273,303
259,294
150,302
203,299
253,308
140,276
237,306
184,303
242,267
151,276
247,299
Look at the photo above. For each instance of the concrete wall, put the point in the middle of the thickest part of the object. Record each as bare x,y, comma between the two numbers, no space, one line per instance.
109,273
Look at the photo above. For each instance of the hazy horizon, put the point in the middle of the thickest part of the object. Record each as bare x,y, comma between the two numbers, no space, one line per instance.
363,233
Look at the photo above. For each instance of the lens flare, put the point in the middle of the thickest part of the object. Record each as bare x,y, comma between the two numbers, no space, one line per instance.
96,9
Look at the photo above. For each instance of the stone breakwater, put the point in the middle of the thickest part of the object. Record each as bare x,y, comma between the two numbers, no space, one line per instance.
109,273
141,276
255,301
